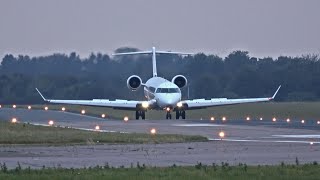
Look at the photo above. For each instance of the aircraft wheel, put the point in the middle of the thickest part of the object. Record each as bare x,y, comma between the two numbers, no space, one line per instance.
177,114
183,114
143,115
137,115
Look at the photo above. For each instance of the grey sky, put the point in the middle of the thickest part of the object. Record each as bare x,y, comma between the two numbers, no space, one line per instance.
264,28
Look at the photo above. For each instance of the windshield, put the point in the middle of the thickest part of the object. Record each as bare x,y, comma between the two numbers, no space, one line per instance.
167,90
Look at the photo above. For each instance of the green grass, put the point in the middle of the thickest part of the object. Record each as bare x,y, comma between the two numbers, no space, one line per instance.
199,172
299,110
31,134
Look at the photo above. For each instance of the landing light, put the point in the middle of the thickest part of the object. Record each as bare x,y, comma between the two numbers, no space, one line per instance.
248,118
168,109
153,131
126,118
14,106
261,119
221,134
212,118
97,127
51,122
318,122
145,104
83,111
103,115
302,121
14,120
274,119
179,104
0,106
29,107
288,120
46,108
63,109
224,118
311,143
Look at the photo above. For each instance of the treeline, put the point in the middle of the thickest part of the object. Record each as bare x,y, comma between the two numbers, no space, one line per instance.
100,76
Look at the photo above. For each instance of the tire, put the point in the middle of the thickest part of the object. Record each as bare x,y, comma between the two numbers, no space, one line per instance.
177,114
183,114
143,115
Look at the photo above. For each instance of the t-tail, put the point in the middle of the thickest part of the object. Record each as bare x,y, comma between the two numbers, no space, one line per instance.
154,52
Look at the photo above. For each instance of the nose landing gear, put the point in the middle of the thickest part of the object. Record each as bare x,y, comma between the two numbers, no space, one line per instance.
168,115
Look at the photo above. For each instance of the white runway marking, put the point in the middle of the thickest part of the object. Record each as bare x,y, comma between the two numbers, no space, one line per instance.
299,136
197,125
263,141
85,129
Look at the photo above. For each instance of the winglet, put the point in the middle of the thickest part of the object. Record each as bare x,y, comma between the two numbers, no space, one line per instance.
41,95
274,95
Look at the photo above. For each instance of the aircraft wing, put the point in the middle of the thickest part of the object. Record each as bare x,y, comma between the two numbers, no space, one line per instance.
203,103
116,104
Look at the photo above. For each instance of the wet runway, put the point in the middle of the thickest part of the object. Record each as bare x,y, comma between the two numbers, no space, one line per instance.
251,142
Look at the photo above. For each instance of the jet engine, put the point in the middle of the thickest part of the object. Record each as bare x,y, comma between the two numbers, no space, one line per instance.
180,81
134,82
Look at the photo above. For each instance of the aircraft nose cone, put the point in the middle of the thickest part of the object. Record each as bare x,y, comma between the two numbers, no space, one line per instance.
168,100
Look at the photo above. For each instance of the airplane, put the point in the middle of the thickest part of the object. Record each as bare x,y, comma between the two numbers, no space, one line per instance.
160,93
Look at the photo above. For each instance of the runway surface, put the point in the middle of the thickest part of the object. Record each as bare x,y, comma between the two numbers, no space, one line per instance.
251,142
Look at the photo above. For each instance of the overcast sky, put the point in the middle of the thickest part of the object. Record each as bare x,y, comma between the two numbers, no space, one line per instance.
264,28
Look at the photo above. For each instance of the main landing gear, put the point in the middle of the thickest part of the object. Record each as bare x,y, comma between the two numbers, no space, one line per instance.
141,114
180,113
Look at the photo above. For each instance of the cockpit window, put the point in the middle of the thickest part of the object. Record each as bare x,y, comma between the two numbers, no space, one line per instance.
167,90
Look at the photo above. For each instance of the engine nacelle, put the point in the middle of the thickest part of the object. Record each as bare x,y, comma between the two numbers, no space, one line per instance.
180,81
134,82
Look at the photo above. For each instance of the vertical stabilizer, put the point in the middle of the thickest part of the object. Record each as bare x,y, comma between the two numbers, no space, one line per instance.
154,62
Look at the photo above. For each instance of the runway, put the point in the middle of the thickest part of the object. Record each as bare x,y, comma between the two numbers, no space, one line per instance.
250,142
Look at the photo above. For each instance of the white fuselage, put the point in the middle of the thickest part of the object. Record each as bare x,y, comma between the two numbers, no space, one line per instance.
165,93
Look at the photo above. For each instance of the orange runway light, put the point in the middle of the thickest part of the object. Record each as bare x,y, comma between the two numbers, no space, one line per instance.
221,134
63,109
51,122
274,119
14,120
14,106
83,111
153,131
126,118
97,127
46,108
103,115
288,120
